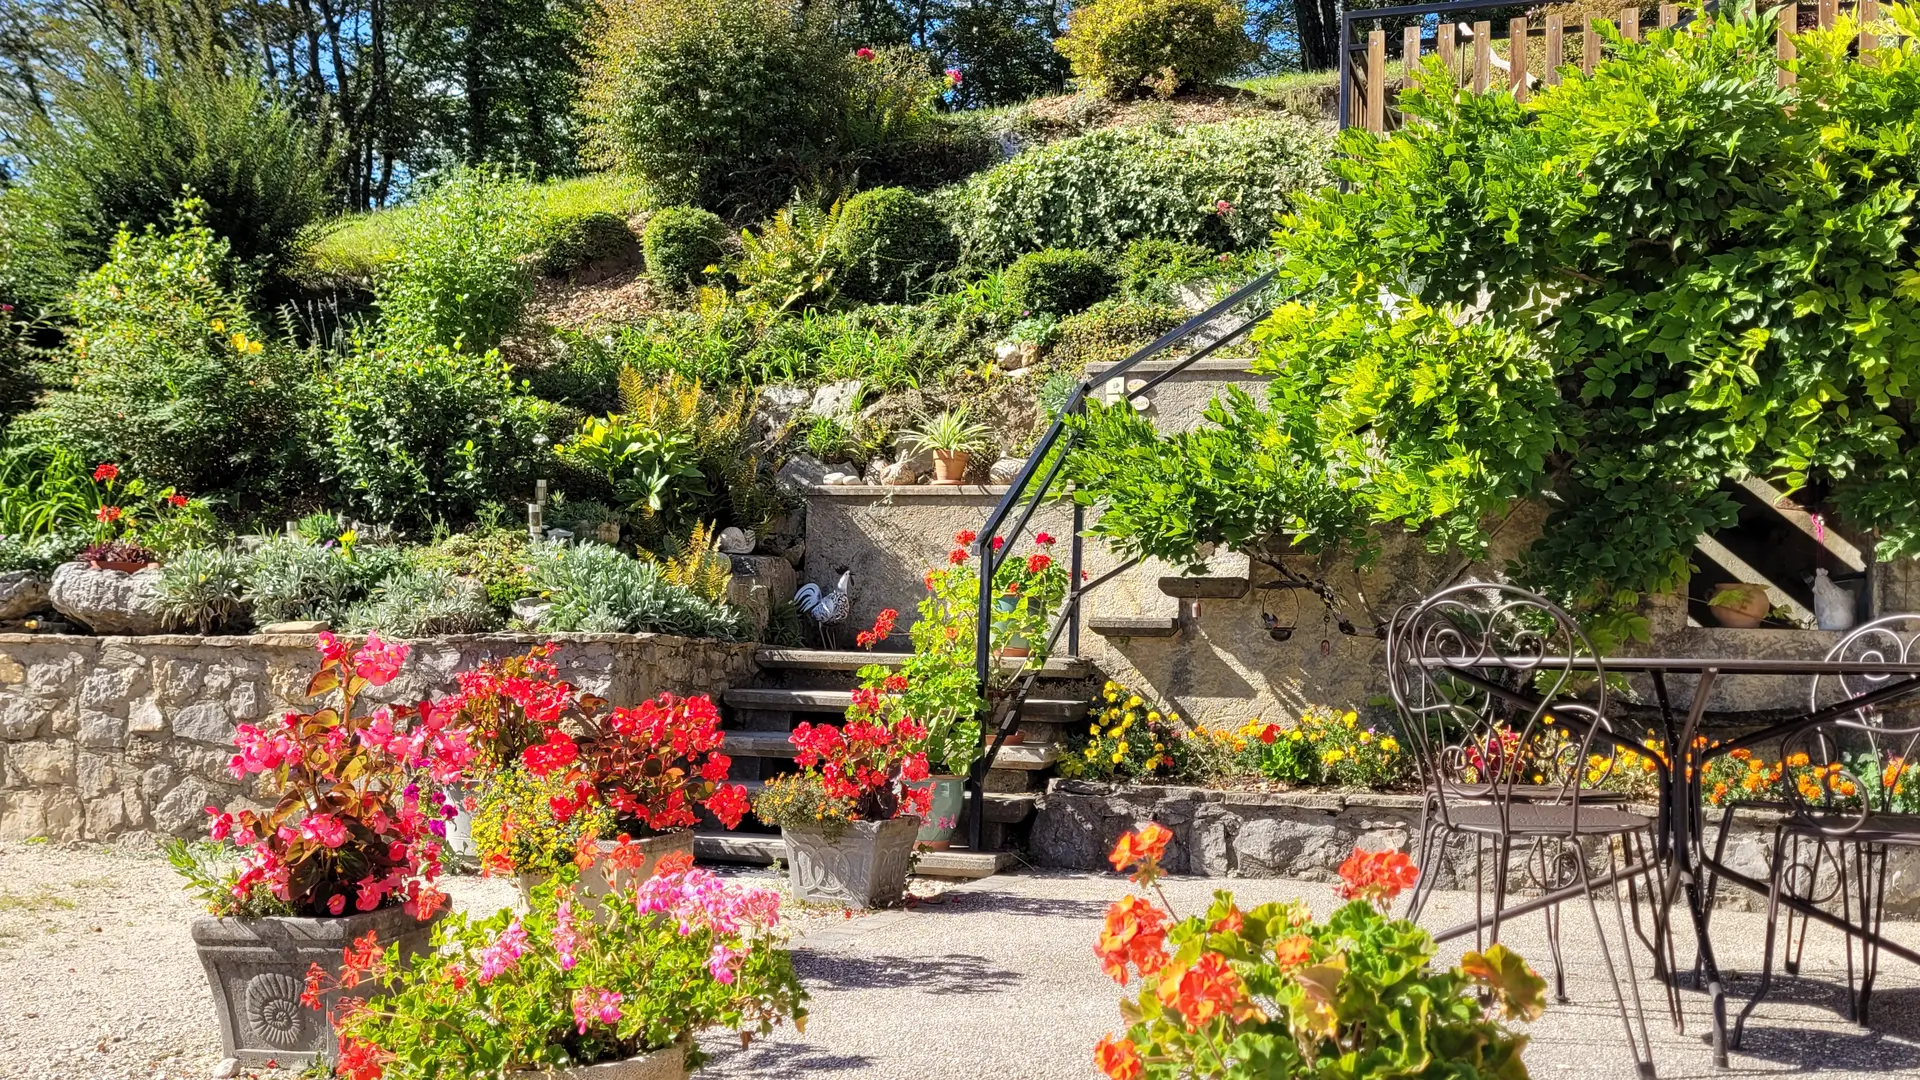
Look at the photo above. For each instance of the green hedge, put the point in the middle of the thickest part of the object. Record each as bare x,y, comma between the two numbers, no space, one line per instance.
1107,188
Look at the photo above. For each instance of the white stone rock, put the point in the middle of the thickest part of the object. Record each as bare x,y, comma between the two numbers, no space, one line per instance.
22,592
226,1069
800,471
530,610
310,626
1005,470
736,541
837,400
108,601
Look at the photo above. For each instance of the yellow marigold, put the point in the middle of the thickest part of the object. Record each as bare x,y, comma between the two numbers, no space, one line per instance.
1295,735
1113,733
1390,745
1122,748
1118,757
1093,729
1797,760
1092,753
1153,716
1351,718
1366,736
1134,702
1333,757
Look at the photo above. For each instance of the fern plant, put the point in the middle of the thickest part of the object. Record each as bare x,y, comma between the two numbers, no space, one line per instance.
700,567
793,261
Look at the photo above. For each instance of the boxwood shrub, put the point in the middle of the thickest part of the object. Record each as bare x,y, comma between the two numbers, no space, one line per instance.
889,241
1058,281
681,242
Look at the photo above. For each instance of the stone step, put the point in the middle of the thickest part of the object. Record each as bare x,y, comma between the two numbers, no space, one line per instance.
1134,626
758,744
961,863
1026,757
738,847
1058,710
1058,667
1228,576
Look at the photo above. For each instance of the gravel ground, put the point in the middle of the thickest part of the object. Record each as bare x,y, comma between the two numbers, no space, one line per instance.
992,979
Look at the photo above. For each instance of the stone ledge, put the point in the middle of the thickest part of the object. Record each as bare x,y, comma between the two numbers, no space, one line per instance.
910,491
309,640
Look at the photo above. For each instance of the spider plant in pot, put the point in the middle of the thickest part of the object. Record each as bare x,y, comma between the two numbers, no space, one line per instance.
952,437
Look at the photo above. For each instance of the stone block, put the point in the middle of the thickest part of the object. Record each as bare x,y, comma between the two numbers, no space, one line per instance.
42,764
95,775
205,722
181,812
113,814
144,717
246,702
11,673
98,729
28,814
23,717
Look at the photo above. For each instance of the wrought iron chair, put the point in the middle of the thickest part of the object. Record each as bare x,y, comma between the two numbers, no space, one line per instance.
1501,713
1847,782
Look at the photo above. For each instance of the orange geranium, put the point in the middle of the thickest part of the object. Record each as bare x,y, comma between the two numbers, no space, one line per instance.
1201,991
1376,876
1143,847
1118,1059
1136,933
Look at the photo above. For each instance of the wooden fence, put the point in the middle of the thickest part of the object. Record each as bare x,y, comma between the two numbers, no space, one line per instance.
1536,50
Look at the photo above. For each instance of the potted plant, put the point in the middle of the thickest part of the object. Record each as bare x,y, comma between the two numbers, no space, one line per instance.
620,995
1236,995
124,556
1739,604
346,853
638,775
952,437
850,818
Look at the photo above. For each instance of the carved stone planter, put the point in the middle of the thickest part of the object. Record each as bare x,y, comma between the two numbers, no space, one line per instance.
593,881
257,969
669,1063
863,867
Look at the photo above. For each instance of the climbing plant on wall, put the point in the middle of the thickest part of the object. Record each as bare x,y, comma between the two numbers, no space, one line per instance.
1609,298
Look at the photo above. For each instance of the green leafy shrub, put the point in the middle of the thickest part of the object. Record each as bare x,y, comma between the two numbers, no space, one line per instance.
718,103
128,142
1155,269
289,579
890,241
39,554
1058,281
459,276
567,242
595,589
878,346
46,488
1122,47
174,380
681,242
1102,190
1109,331
418,601
423,434
200,589
582,375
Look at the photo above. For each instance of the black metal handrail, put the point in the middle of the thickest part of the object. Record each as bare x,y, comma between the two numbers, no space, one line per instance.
1033,486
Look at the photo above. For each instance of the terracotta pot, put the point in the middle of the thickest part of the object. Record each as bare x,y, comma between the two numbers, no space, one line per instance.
258,967
123,567
1743,612
593,881
950,467
865,866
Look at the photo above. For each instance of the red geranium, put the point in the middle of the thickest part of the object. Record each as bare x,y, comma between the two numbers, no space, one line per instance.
106,473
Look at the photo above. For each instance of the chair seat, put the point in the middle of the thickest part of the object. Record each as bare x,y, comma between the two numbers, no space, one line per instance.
1534,793
1538,819
1896,829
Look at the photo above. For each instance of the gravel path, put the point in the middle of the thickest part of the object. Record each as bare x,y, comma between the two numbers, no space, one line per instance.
992,979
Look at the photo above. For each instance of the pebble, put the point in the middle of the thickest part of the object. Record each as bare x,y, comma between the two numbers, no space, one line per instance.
227,1067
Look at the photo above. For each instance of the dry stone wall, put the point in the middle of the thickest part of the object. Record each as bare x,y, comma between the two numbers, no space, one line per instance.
104,736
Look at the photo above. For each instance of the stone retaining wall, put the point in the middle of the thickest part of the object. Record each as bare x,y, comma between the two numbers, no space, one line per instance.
1306,835
102,736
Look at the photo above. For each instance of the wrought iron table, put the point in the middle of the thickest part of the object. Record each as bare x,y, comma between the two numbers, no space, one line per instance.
1680,810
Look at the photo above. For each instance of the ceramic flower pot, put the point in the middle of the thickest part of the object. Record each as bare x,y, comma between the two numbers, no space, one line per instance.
1744,611
943,810
258,967
950,467
865,866
593,880
668,1063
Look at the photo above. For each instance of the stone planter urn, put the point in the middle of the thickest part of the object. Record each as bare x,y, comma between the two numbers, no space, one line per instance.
668,1063
593,881
258,967
865,866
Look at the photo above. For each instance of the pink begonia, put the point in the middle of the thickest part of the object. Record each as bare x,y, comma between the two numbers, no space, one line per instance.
698,900
590,1004
505,951
566,940
331,648
324,829
261,752
379,661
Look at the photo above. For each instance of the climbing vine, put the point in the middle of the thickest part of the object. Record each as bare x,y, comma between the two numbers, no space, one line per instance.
1610,298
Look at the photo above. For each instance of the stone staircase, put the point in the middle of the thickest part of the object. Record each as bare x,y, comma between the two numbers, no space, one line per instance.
815,686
